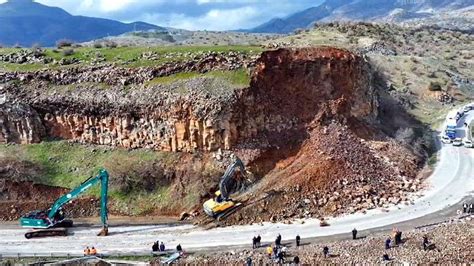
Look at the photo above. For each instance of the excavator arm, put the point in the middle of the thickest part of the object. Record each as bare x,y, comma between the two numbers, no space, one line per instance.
228,182
102,177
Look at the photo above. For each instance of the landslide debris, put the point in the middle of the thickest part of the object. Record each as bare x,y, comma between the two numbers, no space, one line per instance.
20,197
328,153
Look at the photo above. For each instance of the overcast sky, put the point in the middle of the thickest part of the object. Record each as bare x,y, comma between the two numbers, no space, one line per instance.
186,14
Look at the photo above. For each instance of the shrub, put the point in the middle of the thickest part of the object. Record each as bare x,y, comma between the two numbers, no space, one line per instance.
434,86
68,52
64,43
97,45
111,44
134,175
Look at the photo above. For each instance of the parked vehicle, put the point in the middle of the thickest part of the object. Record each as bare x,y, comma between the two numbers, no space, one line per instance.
446,140
457,142
467,143
450,130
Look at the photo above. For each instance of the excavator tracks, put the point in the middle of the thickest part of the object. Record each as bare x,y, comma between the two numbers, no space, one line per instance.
46,232
229,212
58,230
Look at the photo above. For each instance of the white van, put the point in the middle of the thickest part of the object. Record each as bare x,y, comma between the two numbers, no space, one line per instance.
445,139
467,143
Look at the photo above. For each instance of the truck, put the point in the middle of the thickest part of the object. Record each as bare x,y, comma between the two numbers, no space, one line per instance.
51,222
450,130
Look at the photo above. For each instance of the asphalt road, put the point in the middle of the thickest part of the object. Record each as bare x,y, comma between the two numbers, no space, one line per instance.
450,184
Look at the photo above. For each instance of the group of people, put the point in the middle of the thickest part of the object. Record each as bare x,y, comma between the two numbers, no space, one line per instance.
160,247
396,236
157,246
90,251
467,208
256,241
277,252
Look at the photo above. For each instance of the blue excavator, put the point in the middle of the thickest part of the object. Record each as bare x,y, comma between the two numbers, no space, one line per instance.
52,221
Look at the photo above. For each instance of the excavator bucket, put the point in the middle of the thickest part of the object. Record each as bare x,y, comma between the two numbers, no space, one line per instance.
103,232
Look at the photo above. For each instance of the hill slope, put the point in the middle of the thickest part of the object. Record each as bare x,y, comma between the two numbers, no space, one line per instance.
42,24
369,10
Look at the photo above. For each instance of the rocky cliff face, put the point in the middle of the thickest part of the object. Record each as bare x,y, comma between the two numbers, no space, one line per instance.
19,123
289,87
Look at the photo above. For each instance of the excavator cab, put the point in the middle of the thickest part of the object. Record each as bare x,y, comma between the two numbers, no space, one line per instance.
217,206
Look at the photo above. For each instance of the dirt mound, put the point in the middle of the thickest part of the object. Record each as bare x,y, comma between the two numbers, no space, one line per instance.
19,198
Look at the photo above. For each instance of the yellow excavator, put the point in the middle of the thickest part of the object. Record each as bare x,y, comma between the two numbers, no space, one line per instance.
222,206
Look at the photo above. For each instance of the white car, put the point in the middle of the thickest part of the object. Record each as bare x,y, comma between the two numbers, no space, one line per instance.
467,109
467,143
446,140
457,142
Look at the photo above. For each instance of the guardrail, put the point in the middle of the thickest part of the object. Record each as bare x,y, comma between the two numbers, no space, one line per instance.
75,255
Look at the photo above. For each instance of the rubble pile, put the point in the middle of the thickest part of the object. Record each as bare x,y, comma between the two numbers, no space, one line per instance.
26,57
445,97
453,243
113,75
19,198
379,47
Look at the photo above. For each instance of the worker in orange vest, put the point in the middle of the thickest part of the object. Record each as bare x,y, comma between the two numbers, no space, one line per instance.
93,251
87,251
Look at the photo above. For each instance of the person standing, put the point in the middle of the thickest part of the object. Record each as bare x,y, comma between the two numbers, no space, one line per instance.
471,208
325,251
426,243
87,251
354,234
254,242
249,261
464,207
296,260
269,251
278,241
259,239
155,247
387,243
298,240
179,248
162,247
280,257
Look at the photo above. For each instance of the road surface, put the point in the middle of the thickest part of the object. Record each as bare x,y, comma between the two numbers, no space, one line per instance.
451,181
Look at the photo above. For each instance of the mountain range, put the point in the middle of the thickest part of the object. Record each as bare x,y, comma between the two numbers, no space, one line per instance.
25,22
361,10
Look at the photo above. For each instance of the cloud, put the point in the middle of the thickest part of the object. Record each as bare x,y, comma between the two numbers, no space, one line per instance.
187,14
114,5
216,19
